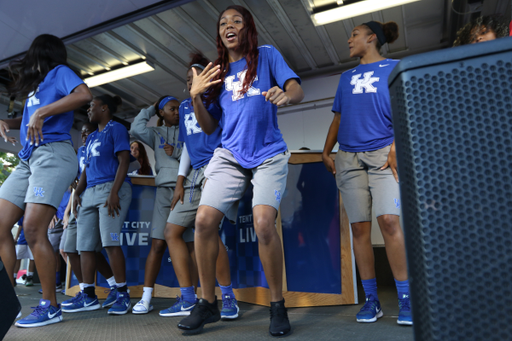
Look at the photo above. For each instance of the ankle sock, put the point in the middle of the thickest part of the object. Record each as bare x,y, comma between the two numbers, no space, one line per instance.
121,287
370,287
402,287
81,285
90,290
188,294
111,281
227,290
147,292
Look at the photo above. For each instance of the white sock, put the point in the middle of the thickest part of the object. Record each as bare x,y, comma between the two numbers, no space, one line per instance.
88,285
111,281
147,292
82,286
30,274
120,284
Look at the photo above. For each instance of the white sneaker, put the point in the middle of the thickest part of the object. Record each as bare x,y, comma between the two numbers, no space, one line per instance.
142,307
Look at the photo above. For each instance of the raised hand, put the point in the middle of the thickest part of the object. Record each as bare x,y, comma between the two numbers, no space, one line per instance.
4,129
201,82
276,96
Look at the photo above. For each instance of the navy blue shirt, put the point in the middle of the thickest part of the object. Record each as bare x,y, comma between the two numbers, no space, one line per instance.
100,158
58,83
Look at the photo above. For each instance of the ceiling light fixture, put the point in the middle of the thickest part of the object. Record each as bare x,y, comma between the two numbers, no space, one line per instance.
354,9
119,73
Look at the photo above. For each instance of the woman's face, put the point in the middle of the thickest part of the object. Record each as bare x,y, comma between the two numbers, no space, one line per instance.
95,111
482,34
86,130
230,28
134,150
358,41
170,113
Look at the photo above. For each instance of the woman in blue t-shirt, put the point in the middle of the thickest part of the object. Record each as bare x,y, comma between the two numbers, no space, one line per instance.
365,166
248,83
107,195
48,162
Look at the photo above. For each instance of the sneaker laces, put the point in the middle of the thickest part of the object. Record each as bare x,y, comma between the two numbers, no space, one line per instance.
404,304
77,297
228,302
39,310
369,305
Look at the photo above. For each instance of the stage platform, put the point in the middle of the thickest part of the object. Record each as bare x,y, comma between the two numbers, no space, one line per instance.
315,323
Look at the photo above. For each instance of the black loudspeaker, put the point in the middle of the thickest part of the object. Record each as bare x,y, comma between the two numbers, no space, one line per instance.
452,115
9,304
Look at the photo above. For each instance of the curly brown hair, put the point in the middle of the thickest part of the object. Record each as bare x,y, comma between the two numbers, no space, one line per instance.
480,25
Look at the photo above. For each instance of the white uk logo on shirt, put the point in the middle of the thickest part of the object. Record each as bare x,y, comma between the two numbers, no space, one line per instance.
365,83
92,148
236,87
191,124
32,100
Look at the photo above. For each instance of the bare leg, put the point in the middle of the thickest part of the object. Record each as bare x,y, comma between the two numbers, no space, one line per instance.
10,214
102,266
88,263
154,261
180,255
194,276
395,245
74,261
207,245
17,266
35,225
363,250
117,263
270,250
223,272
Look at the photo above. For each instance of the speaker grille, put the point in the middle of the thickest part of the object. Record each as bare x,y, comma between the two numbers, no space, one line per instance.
453,127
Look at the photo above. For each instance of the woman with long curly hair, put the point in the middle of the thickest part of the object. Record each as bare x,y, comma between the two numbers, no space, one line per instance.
138,151
248,83
48,162
482,29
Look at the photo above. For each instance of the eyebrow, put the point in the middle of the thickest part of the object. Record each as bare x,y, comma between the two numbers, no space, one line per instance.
235,15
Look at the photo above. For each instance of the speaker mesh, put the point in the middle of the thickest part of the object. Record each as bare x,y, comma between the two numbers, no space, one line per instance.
453,127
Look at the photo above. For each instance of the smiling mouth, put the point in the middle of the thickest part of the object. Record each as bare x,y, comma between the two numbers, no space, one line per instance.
230,36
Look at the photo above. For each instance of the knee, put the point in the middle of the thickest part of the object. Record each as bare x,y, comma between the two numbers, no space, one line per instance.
204,225
361,231
390,225
158,246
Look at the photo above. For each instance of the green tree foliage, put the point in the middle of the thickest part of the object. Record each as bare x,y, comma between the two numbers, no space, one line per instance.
8,162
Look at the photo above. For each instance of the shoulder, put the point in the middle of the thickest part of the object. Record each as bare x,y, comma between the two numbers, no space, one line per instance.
185,103
63,70
267,50
349,72
118,127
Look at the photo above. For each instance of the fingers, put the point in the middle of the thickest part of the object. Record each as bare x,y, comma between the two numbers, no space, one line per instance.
386,165
395,173
173,203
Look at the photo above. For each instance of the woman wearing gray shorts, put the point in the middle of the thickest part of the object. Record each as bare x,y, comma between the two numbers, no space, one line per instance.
104,204
163,139
48,164
365,166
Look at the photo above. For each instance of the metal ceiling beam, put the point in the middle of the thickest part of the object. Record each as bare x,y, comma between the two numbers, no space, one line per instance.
404,28
145,87
109,51
90,57
172,33
322,34
195,27
138,51
80,66
128,91
146,36
103,89
292,32
212,11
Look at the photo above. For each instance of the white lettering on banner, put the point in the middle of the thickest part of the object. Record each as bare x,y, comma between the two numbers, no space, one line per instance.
245,218
365,83
132,238
137,224
248,235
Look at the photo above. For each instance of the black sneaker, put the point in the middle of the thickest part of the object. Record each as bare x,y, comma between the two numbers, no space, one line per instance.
202,314
279,323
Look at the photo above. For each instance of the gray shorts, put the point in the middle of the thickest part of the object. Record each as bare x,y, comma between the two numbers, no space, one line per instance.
185,214
360,180
70,234
23,252
228,181
94,223
55,235
161,211
44,178
63,239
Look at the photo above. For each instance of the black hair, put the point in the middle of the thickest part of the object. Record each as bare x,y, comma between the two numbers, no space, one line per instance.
45,53
390,30
198,58
111,102
468,33
92,125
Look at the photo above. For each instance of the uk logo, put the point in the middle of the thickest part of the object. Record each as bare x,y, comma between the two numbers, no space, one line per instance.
191,124
114,237
397,203
162,142
38,192
365,83
32,100
236,87
92,148
278,195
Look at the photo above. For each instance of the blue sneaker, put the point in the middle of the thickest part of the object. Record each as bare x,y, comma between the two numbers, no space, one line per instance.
42,315
122,304
371,310
72,300
404,314
82,303
179,308
229,308
111,297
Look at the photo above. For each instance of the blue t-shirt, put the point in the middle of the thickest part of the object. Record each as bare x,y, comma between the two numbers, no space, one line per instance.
200,146
80,154
100,158
249,124
21,238
58,83
63,205
363,101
